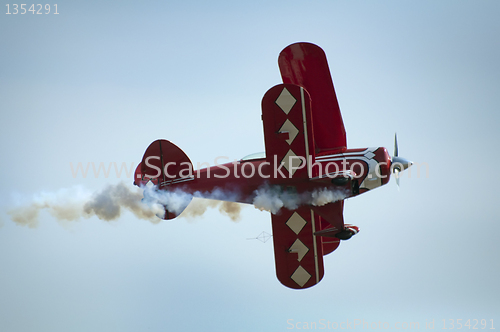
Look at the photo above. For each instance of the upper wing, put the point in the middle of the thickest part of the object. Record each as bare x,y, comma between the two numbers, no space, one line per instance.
298,252
305,64
286,115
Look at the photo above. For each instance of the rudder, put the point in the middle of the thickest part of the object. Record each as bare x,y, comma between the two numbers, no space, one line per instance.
164,164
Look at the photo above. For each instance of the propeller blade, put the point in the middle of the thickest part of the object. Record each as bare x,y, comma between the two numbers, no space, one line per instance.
398,164
395,144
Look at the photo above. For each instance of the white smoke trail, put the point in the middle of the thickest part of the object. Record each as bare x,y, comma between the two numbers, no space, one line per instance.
320,197
194,205
217,198
149,204
64,204
108,204
198,207
273,198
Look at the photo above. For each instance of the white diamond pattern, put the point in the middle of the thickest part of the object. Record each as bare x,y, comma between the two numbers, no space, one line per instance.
285,101
291,160
299,248
291,129
296,223
369,155
301,276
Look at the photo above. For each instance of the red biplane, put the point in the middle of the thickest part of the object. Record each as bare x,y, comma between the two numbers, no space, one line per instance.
306,151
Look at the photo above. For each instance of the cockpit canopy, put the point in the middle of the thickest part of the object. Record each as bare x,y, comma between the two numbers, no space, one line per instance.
253,156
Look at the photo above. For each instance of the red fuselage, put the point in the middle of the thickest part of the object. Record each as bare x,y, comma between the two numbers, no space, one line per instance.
365,169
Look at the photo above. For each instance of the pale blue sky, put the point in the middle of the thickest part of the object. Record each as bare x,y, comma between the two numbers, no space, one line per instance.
100,81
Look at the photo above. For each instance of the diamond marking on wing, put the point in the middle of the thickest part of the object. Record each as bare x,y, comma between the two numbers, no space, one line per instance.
291,129
299,248
291,160
285,101
300,276
296,223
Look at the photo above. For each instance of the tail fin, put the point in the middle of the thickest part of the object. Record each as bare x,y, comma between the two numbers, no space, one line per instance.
164,164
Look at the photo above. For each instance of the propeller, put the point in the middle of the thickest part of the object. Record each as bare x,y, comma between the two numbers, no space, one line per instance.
398,164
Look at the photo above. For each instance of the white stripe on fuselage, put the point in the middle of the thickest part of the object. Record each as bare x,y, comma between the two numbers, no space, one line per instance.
367,156
175,181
